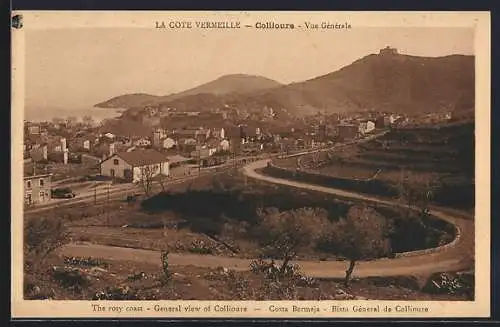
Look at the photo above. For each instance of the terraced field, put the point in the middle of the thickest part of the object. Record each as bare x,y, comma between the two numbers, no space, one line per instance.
441,159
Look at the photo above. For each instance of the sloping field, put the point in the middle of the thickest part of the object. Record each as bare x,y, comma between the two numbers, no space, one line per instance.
442,157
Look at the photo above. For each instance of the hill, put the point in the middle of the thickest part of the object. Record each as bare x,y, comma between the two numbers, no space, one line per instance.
129,101
227,84
395,83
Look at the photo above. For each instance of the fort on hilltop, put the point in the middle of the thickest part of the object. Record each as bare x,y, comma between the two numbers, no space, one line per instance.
388,51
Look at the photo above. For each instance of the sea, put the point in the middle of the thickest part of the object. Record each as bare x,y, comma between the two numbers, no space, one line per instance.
35,114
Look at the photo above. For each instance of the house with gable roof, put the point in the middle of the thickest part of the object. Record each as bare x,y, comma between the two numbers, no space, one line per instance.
130,166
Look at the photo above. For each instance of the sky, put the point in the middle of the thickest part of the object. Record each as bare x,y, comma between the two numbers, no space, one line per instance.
75,68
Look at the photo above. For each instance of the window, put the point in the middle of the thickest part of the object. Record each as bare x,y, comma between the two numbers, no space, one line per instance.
116,162
28,184
42,195
41,182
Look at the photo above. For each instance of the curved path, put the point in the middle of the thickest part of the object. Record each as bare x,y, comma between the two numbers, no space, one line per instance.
455,256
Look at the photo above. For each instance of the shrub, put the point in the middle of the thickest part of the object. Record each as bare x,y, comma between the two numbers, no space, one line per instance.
70,277
280,283
200,250
462,284
86,262
116,293
200,247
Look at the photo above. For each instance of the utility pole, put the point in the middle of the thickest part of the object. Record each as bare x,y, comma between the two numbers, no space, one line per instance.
95,192
199,161
107,206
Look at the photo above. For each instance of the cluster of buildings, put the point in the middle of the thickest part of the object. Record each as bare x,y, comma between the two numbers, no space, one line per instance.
125,150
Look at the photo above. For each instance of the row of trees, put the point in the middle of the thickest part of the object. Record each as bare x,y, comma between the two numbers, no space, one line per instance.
362,235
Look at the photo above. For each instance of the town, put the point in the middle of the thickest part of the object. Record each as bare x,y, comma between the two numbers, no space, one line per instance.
354,185
68,149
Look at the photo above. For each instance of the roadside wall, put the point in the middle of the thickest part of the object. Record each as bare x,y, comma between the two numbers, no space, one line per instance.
375,187
356,185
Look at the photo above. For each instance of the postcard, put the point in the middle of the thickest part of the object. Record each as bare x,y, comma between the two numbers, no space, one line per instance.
264,164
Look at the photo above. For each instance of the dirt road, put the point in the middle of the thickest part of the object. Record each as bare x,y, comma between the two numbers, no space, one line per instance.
317,269
455,256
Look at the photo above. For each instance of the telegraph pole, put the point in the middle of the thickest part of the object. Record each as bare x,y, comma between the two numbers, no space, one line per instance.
107,205
199,161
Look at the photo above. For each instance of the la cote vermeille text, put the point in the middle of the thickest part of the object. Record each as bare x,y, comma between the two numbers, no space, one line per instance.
236,24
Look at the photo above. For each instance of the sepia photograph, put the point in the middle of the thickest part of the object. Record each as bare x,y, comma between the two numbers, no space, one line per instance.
232,157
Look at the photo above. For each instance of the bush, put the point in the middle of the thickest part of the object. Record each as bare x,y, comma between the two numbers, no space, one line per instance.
116,293
86,262
280,283
200,250
272,271
200,247
447,283
70,277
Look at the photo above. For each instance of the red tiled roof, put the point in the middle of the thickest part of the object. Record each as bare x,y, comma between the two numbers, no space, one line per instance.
139,158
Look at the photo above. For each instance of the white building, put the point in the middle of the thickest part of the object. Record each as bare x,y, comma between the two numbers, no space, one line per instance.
131,166
110,136
224,145
370,126
366,127
63,144
142,142
169,143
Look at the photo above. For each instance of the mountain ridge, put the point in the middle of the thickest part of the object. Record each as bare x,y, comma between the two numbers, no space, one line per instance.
398,83
225,84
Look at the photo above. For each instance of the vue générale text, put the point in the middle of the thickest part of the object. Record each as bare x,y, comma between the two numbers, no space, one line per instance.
269,25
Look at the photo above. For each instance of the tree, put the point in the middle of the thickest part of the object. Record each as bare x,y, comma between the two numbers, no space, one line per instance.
362,235
146,181
416,190
284,233
162,180
42,236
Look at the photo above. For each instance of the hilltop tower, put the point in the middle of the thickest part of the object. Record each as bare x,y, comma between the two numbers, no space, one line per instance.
388,51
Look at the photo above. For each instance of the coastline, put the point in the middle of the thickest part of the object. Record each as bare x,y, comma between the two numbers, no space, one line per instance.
47,114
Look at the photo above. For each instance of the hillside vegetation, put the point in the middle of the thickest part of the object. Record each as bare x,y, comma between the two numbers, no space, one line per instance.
227,84
396,83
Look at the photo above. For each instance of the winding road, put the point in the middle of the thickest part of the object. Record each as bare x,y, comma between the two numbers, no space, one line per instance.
455,256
